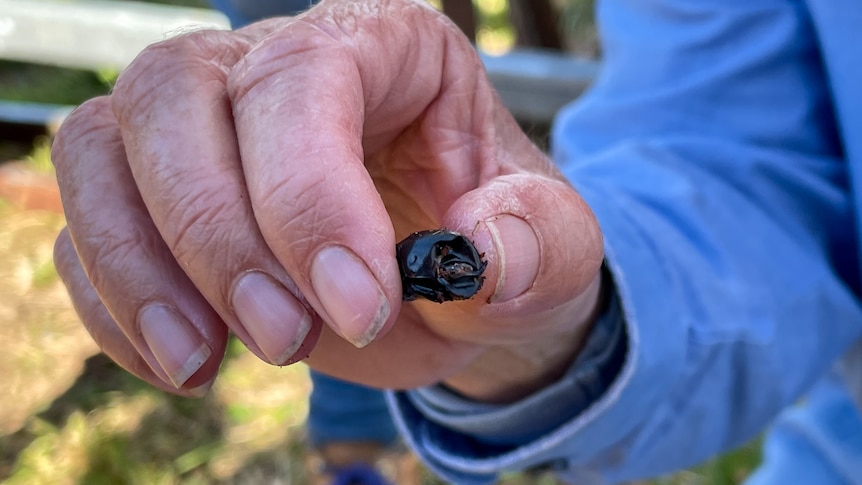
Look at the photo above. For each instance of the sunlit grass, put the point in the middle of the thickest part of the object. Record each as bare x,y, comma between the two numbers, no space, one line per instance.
495,41
494,32
39,159
48,84
492,7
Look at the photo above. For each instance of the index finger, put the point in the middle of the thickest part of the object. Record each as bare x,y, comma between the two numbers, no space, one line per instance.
302,102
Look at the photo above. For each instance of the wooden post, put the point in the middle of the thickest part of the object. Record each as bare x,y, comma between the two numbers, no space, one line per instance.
461,12
537,24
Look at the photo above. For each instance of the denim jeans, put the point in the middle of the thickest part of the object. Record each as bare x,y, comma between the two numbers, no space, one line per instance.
341,411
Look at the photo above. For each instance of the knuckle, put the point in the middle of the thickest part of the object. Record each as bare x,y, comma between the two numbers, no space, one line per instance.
106,257
188,59
264,66
303,215
202,222
136,86
85,127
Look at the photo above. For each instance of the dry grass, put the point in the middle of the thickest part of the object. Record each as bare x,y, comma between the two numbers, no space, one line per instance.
70,416
44,344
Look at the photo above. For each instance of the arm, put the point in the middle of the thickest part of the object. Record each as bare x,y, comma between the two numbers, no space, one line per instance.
707,151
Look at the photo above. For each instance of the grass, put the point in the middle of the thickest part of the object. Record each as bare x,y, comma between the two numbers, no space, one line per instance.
20,81
71,416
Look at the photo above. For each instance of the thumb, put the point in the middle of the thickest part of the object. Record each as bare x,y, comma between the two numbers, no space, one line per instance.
541,240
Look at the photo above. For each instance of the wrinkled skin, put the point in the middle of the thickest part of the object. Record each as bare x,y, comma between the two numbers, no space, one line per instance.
257,181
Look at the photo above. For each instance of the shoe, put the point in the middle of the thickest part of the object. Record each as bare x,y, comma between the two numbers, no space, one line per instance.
357,474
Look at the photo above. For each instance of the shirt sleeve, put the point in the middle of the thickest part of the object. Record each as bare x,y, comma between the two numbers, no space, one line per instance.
587,378
709,153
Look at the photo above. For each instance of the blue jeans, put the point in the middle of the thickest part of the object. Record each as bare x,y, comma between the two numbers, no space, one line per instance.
341,411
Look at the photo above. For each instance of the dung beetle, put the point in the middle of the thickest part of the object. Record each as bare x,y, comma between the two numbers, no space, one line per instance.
439,265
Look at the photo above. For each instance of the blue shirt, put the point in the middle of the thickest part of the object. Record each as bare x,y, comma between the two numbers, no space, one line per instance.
719,150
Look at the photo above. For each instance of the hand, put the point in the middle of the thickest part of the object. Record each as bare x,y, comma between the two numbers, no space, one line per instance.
257,181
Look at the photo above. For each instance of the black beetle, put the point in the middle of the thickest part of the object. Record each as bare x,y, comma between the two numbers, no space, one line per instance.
439,265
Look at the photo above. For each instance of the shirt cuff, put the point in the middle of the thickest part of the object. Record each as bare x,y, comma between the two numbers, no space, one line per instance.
515,424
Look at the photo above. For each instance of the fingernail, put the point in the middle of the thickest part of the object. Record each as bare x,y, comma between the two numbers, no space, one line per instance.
273,317
177,346
354,303
517,249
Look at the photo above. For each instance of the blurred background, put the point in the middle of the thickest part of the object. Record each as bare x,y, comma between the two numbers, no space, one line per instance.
67,414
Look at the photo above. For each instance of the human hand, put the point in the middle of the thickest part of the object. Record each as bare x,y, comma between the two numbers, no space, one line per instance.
257,181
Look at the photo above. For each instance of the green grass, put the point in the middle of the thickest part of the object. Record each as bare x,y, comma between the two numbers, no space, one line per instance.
21,81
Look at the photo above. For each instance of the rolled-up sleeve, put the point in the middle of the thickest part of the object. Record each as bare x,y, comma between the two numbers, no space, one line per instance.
708,151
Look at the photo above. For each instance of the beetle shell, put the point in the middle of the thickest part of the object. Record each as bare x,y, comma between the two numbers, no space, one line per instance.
439,265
